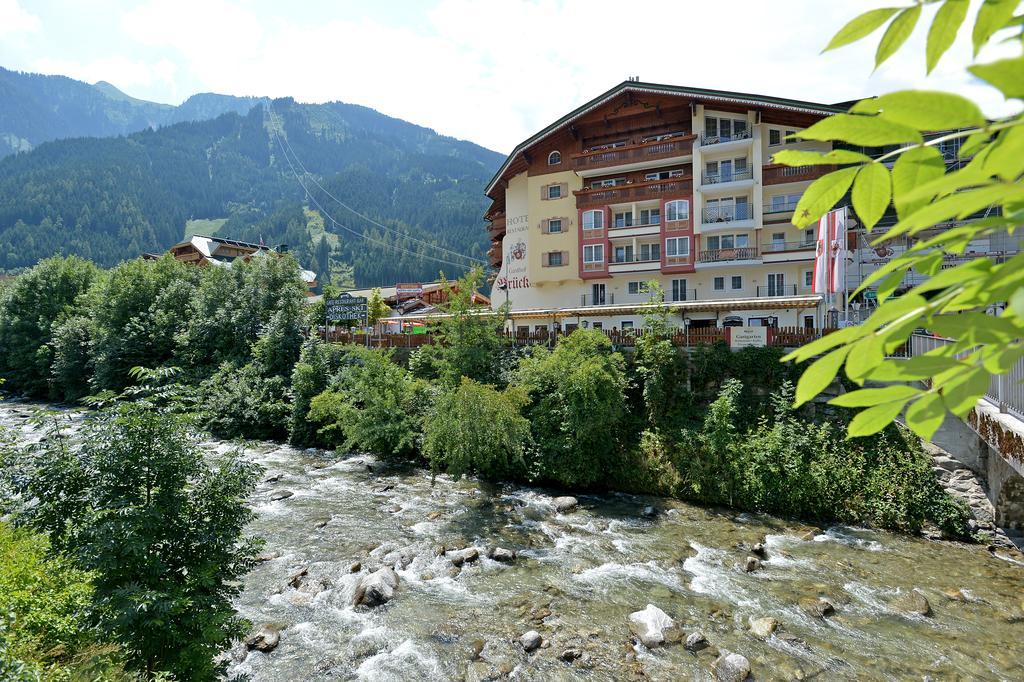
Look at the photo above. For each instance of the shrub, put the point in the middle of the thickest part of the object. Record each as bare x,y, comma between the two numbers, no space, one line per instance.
650,467
318,363
577,394
242,403
476,429
372,404
72,364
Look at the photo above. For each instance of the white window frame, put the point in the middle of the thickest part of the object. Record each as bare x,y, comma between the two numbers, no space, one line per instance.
674,244
778,132
650,248
808,278
595,224
595,251
554,192
714,284
551,263
557,156
627,324
551,226
627,219
732,282
651,212
674,206
637,287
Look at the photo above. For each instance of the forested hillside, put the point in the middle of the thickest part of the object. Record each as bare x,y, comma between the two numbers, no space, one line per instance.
109,199
35,108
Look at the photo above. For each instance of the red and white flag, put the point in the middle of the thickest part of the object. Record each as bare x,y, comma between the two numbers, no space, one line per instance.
837,249
822,262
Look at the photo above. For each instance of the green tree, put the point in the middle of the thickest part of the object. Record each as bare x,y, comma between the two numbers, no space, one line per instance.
952,301
160,530
477,429
577,404
376,308
38,300
660,366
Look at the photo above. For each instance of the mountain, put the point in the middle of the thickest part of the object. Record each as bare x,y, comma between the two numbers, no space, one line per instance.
35,108
112,198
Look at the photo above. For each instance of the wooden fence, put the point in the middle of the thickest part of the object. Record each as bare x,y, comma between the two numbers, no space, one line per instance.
784,337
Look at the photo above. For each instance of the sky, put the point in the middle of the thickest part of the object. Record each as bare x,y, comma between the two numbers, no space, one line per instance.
490,71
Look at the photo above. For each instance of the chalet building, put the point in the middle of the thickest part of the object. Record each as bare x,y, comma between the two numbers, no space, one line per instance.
217,251
657,182
416,302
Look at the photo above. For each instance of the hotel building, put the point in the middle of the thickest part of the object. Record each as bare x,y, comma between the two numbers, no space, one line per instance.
657,182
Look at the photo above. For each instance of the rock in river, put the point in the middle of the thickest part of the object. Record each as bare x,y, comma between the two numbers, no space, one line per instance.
565,504
264,640
696,641
731,668
377,588
751,564
817,608
462,556
531,641
914,602
280,495
650,625
763,627
501,554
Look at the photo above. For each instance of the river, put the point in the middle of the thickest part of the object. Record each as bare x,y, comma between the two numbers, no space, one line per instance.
579,574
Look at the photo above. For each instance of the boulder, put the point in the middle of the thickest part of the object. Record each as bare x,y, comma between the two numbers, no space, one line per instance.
696,641
731,668
817,607
649,625
914,602
570,655
763,627
759,550
531,641
280,495
321,524
263,557
565,504
295,579
462,556
751,564
649,512
376,588
355,567
264,639
505,556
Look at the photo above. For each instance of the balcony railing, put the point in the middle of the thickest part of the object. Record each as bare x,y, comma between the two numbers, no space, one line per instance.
706,139
679,295
802,245
777,175
726,255
779,290
728,176
617,226
728,214
635,260
649,189
588,299
634,153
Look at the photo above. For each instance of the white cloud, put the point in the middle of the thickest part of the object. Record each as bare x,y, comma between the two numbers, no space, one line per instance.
122,72
15,19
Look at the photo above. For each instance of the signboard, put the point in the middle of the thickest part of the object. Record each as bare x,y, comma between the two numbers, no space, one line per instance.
746,337
403,291
346,307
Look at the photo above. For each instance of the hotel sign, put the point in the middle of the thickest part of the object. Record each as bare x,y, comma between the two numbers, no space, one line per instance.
748,337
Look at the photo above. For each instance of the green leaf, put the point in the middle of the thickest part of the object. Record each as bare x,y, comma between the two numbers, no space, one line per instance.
992,16
930,264
923,109
838,157
926,415
861,26
866,397
918,367
961,205
872,190
1007,75
914,167
864,356
822,195
869,131
962,392
889,285
826,342
943,30
874,419
897,33
970,146
818,376
1006,157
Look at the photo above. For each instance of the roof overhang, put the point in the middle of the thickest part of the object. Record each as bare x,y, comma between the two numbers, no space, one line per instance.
700,94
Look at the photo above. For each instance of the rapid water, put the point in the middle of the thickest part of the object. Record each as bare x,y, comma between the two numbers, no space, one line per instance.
580,574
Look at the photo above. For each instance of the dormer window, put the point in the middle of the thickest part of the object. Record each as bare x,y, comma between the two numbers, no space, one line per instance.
554,158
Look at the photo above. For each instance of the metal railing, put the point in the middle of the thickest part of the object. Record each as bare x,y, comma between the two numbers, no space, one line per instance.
588,299
728,176
706,139
1005,391
801,245
780,290
724,255
727,215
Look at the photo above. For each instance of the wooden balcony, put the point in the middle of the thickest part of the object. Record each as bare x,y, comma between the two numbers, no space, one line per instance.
634,153
637,191
497,227
776,174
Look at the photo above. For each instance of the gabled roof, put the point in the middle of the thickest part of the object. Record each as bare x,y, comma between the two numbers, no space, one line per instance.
703,94
208,245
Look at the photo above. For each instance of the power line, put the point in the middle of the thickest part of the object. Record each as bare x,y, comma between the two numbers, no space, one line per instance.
346,228
275,118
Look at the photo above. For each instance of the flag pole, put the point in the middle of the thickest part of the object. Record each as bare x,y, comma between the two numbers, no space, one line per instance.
846,242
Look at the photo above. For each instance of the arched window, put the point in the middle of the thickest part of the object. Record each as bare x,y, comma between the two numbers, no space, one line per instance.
677,210
554,158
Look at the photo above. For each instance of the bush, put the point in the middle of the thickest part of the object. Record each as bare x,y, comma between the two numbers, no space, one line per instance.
318,363
650,467
372,404
577,394
476,429
72,357
242,403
